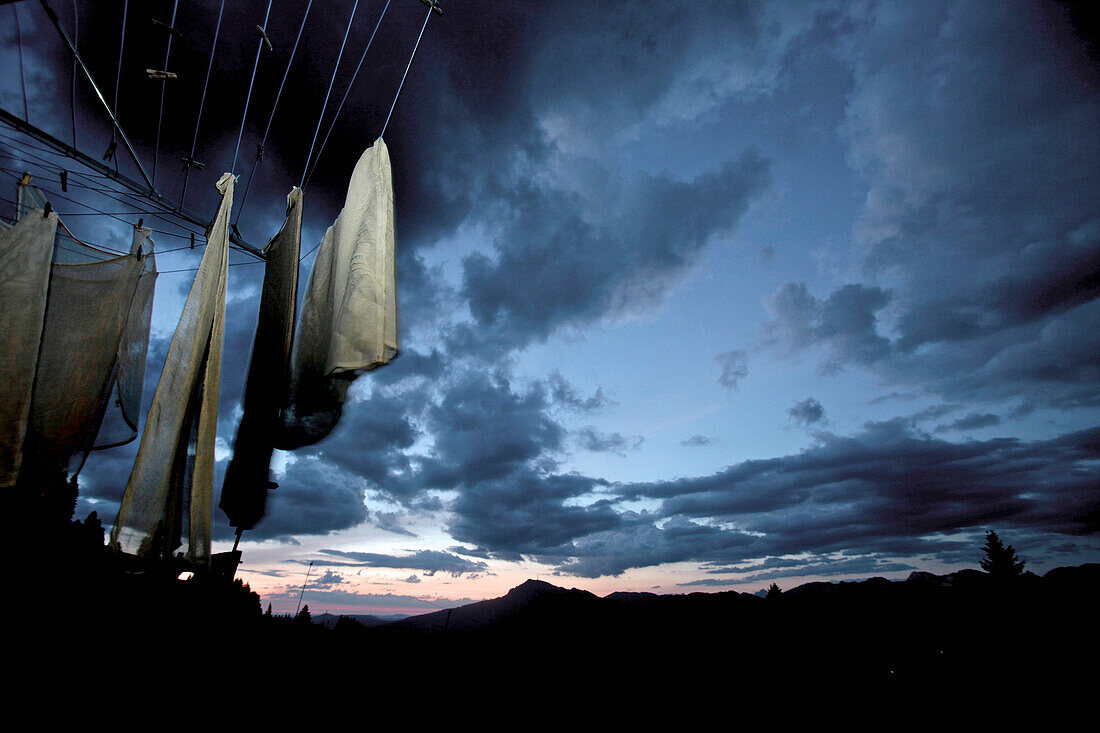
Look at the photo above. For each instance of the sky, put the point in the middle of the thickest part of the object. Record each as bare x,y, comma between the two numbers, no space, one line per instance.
693,296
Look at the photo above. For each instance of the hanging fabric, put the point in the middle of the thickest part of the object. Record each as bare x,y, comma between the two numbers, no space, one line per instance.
169,497
25,252
244,492
124,404
348,322
91,357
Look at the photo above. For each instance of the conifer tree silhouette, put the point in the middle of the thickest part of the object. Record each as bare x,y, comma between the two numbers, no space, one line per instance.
1000,559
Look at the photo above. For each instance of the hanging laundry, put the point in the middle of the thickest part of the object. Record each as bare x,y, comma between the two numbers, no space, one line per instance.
93,345
25,252
169,497
348,322
247,480
124,405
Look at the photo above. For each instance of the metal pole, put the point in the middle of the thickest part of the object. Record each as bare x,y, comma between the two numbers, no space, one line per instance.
154,197
296,610
125,140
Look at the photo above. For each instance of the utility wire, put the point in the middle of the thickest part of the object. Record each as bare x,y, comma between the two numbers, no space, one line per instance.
330,83
118,74
346,92
163,91
248,98
19,39
432,6
278,95
202,102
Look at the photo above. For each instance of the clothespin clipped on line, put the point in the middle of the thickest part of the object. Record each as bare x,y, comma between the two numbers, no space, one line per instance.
26,179
110,154
259,151
192,240
47,210
64,176
434,5
170,29
191,163
267,41
158,74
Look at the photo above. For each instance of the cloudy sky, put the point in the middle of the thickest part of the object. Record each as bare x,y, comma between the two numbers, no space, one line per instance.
693,295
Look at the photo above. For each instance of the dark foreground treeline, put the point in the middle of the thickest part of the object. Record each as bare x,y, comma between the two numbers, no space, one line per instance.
84,612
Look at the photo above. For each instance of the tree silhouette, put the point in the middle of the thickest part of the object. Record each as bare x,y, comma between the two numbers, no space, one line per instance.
774,591
1000,559
303,616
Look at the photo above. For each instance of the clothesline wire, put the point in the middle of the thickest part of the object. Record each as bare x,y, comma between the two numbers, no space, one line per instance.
324,105
248,97
19,40
271,117
340,108
163,90
113,195
118,74
202,103
431,7
76,45
96,210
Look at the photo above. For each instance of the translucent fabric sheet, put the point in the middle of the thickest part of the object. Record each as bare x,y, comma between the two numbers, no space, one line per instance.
244,493
348,322
25,252
169,497
88,314
123,405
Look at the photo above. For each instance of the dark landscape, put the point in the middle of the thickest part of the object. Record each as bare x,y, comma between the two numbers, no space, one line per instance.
959,631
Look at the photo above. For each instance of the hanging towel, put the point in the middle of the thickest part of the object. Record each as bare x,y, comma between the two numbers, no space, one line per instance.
25,252
348,323
247,481
169,497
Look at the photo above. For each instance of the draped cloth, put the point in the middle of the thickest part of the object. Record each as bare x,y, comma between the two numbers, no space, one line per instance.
169,497
244,492
348,322
25,253
91,360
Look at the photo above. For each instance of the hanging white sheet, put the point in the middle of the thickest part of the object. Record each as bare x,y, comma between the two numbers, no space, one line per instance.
348,322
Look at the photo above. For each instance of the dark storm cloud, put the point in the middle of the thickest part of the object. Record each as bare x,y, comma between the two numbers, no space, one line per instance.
880,490
565,394
528,514
313,498
845,321
485,430
591,439
734,366
428,562
807,412
973,421
554,269
981,210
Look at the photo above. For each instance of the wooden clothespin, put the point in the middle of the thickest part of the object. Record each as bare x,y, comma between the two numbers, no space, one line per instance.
170,29
158,74
267,41
191,163
26,179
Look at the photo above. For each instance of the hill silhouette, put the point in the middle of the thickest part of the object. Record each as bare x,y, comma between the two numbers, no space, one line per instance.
953,632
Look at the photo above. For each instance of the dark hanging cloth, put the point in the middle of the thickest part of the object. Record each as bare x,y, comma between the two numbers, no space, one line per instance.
247,481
